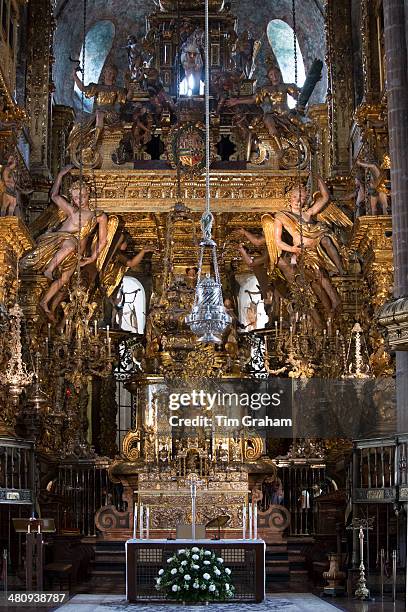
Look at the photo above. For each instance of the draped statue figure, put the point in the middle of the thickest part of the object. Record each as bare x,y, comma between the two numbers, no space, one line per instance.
66,238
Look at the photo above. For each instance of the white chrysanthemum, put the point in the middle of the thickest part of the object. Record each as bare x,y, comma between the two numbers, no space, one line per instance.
174,571
195,549
181,551
211,588
184,562
203,587
227,587
195,557
206,562
196,585
174,588
220,560
187,577
217,571
196,567
206,576
170,559
161,572
227,570
207,552
158,580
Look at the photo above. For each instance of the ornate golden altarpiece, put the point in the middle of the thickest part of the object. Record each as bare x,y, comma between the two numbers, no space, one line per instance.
143,190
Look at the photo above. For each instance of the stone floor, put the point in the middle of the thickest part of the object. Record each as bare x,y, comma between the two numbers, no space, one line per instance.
284,602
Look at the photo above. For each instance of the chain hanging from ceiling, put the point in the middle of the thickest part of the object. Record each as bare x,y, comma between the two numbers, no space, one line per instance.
208,318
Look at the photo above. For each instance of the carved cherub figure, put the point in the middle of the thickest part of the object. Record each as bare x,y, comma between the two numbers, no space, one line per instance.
55,254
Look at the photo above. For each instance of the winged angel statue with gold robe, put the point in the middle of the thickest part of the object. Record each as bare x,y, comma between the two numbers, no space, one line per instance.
72,230
314,245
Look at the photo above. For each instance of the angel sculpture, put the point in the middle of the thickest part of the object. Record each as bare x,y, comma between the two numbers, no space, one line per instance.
56,252
313,243
377,188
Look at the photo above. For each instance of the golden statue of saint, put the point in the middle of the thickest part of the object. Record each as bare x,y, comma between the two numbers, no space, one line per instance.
275,95
107,96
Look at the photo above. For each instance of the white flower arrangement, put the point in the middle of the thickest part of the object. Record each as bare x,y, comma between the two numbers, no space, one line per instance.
195,575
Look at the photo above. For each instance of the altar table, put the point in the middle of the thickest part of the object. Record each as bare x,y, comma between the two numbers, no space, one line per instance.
245,558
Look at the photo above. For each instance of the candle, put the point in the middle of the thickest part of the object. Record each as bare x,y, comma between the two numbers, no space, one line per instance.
141,522
250,520
147,521
96,327
39,529
49,331
29,528
107,332
244,516
109,347
134,522
256,522
47,348
276,328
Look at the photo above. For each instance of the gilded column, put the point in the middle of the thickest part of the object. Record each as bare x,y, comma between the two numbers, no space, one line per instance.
39,89
372,242
340,96
369,52
397,89
62,122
